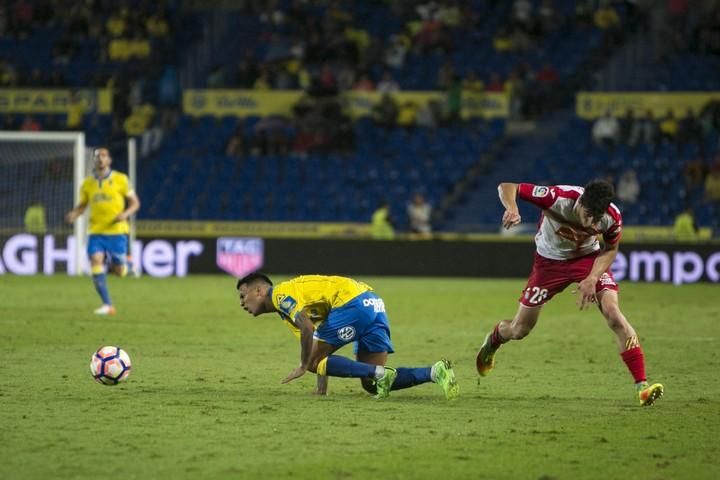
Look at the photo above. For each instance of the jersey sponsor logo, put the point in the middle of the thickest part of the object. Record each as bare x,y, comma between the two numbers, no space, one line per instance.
377,304
286,304
239,256
540,191
346,333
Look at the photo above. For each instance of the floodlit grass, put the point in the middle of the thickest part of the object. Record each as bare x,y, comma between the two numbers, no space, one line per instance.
204,399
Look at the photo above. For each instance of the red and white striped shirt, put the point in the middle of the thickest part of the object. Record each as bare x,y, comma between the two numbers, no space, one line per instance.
560,234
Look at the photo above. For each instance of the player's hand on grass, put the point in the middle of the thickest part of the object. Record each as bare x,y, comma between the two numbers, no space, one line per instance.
510,219
297,373
586,293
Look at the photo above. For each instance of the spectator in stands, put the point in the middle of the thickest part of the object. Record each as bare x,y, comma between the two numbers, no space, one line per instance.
712,185
247,72
584,13
35,79
407,115
36,218
669,127
216,78
75,113
385,112
548,17
694,173
606,18
8,74
644,130
472,84
503,41
396,51
21,18
271,135
419,212
381,226
453,102
262,82
387,84
29,124
495,84
690,131
237,146
430,114
626,126
515,89
606,130
685,228
364,84
628,187
9,123
546,81
522,15
445,75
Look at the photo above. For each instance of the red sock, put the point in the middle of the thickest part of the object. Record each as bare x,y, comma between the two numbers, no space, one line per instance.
635,362
495,339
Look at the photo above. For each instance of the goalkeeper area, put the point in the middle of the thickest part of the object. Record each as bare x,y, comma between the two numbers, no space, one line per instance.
40,178
205,400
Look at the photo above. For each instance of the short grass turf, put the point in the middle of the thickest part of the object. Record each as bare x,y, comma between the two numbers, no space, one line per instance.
204,399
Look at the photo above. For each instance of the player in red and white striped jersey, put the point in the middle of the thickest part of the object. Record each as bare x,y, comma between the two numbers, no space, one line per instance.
568,251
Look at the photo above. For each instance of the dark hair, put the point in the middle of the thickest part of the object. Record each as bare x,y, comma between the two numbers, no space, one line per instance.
252,278
597,197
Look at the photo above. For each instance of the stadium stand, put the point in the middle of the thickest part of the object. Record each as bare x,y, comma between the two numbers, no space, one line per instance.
319,164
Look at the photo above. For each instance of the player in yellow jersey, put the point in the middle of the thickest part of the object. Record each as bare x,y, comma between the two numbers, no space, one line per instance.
330,312
112,200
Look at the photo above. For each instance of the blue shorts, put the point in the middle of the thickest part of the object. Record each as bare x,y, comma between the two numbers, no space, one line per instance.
362,320
115,246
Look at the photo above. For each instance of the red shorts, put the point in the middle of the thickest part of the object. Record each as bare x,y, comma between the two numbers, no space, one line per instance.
549,277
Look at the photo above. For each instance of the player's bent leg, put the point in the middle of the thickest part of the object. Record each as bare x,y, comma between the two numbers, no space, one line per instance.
373,358
629,346
616,321
516,329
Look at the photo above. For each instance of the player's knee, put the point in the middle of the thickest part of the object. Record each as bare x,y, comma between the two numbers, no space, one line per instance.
313,365
368,385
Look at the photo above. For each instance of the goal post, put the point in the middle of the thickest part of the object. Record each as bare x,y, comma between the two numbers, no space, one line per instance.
42,168
44,171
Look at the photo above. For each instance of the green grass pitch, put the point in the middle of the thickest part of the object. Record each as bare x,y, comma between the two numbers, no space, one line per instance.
204,399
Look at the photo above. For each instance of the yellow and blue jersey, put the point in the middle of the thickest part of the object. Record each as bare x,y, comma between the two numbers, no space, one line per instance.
105,197
316,295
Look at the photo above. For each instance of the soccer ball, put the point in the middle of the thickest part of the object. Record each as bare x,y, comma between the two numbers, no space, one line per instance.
110,365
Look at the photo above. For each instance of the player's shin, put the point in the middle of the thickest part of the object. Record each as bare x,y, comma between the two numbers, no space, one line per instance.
634,359
100,282
409,377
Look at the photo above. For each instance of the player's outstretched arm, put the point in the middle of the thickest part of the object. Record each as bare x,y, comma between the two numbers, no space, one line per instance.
508,197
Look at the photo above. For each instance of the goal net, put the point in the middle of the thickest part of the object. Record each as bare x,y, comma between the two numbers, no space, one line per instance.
40,178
